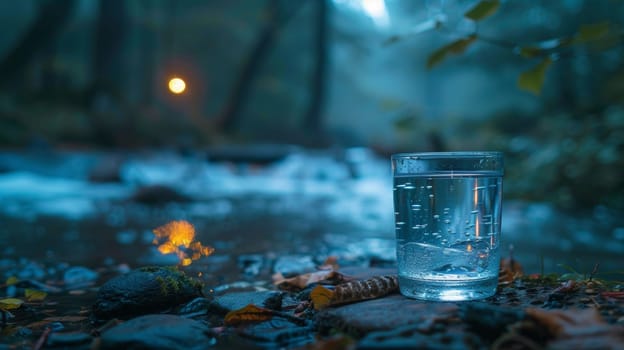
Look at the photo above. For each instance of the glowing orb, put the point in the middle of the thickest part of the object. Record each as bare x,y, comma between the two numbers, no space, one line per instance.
177,85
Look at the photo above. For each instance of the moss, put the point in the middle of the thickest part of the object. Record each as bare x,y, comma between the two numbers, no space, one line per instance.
153,269
175,281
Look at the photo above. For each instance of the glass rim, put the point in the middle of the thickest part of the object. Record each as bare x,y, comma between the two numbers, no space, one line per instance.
447,155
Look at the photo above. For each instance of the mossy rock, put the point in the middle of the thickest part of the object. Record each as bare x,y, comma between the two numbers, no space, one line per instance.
144,290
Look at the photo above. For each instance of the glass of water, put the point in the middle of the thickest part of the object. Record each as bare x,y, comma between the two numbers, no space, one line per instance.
447,208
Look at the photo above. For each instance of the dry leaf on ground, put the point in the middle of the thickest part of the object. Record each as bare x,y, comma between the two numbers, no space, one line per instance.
249,313
579,328
301,281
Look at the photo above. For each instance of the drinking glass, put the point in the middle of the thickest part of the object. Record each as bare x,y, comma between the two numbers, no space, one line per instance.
447,208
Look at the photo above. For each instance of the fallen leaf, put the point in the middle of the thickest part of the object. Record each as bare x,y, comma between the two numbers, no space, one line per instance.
566,287
10,303
34,295
577,329
321,297
306,279
331,263
510,269
249,313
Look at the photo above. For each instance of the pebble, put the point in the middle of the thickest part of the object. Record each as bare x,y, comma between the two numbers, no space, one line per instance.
290,265
237,300
68,339
79,276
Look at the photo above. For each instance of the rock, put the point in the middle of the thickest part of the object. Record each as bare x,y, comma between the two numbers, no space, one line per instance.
68,339
79,276
145,290
107,169
290,265
489,320
409,337
382,314
195,306
159,194
237,300
251,264
278,333
160,332
261,154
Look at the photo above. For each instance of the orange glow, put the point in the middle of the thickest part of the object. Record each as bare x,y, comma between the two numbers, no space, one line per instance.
469,248
178,237
177,85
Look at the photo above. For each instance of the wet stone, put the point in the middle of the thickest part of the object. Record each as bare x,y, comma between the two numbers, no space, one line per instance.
487,319
290,265
145,290
159,194
79,276
157,332
410,337
250,264
236,300
278,333
68,339
195,306
368,316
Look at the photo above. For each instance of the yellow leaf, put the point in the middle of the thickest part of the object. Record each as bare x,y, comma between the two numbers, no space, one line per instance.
35,295
533,79
456,47
321,297
11,280
10,303
530,51
250,313
591,32
483,9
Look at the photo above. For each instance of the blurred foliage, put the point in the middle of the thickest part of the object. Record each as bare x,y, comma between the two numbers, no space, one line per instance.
597,36
572,164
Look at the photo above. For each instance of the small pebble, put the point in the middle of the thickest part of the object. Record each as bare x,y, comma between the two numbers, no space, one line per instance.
590,291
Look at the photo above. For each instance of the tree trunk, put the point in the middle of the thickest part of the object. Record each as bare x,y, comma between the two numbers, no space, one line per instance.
107,56
277,17
313,121
42,33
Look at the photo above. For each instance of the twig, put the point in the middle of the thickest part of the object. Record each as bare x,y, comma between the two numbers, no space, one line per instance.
294,319
594,271
42,339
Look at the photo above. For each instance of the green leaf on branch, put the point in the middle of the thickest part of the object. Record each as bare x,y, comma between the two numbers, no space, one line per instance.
592,32
483,9
533,79
456,47
530,51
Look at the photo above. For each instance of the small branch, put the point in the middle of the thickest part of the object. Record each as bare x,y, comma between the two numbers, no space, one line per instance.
42,339
594,271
